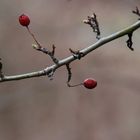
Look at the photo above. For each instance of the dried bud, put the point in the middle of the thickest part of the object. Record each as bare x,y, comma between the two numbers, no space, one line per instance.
86,21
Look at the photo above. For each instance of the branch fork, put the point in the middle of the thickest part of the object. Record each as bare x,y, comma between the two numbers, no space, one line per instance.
137,12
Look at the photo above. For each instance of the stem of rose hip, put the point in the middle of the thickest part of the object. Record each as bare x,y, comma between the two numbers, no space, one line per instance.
39,45
69,85
88,83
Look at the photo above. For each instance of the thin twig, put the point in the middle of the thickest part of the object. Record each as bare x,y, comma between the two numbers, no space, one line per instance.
39,47
129,41
34,38
46,51
137,12
69,73
94,24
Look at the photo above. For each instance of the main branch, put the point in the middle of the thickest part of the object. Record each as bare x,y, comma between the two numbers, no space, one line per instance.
51,69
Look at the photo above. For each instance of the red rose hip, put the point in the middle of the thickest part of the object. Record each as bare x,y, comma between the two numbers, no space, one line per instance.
24,20
90,83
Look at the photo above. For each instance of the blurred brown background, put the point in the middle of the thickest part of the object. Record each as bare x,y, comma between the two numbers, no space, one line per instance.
40,109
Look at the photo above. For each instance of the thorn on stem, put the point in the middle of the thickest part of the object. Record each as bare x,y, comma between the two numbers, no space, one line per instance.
136,11
53,49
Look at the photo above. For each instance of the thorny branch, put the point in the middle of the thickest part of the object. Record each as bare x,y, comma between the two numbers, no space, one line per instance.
76,55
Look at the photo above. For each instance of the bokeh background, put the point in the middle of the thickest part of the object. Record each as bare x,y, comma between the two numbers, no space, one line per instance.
40,109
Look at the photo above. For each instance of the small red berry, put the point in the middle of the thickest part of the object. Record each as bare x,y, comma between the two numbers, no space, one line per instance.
90,83
24,20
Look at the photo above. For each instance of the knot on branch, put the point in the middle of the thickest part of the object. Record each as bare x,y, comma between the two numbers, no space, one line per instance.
77,54
93,22
49,72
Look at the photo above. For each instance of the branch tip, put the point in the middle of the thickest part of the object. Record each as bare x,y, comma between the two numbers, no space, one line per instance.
136,11
36,47
93,22
53,49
